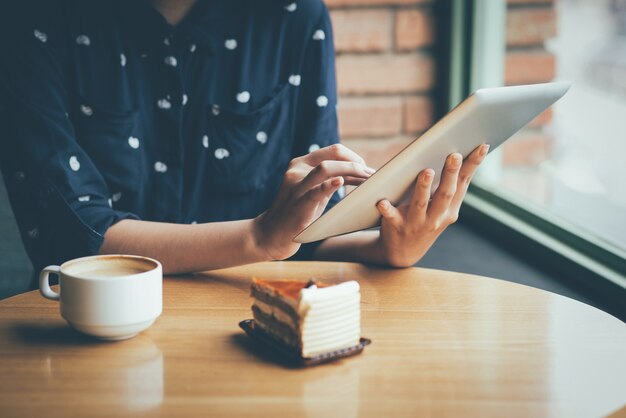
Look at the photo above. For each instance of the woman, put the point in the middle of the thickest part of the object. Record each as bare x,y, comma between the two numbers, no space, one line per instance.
203,134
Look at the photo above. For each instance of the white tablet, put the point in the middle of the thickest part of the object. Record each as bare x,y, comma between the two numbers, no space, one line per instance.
488,116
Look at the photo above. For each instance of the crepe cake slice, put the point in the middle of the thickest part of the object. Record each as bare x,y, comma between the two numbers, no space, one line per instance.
309,318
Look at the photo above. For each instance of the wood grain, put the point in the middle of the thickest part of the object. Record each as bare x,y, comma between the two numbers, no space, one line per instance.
444,344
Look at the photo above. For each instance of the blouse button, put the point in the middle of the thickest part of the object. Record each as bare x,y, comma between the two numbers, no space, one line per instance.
171,61
160,167
185,99
20,175
33,233
314,147
85,198
215,109
205,141
123,60
116,196
192,48
291,7
166,41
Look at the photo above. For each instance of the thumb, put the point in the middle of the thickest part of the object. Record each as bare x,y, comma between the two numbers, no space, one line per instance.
390,213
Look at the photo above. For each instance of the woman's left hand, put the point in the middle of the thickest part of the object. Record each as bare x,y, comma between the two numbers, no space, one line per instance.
409,230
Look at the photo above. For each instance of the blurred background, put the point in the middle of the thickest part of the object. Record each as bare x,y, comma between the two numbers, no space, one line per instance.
394,65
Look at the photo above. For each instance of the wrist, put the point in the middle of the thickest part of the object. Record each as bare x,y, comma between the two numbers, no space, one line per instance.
257,240
396,256
270,241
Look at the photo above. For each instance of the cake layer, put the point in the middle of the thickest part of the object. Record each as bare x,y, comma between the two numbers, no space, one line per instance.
280,331
277,312
290,307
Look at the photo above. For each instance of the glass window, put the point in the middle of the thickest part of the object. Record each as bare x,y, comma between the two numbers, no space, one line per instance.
570,161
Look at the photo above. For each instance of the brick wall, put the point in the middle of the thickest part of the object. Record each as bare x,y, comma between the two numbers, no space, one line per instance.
529,24
386,71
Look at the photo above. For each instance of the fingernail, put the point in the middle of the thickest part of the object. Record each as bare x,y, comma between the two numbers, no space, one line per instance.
384,204
369,170
456,158
336,181
485,149
429,173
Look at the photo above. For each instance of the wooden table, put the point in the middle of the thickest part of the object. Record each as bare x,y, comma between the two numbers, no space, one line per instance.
444,344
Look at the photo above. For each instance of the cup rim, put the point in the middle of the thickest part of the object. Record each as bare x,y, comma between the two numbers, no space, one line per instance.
155,263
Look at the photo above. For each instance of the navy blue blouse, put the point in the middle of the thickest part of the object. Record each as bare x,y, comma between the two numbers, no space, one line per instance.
108,112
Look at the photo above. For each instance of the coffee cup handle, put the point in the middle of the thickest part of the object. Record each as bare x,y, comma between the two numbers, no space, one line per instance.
44,283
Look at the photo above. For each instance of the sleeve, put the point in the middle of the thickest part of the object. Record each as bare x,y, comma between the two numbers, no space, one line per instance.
60,200
316,123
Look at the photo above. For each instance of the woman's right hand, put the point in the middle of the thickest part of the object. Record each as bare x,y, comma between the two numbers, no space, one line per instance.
308,184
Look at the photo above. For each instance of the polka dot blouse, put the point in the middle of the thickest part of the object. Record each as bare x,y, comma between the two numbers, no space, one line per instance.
107,112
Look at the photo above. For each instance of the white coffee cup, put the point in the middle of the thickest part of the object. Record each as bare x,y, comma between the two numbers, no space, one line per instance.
112,297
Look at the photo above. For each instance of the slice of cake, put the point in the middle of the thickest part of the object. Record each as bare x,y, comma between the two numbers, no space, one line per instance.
311,318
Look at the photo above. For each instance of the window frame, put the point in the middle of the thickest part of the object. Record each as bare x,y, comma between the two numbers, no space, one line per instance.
477,36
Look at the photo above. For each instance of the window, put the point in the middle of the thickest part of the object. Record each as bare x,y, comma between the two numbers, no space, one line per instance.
560,179
570,161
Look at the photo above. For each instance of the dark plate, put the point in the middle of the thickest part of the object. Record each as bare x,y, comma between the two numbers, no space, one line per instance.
294,357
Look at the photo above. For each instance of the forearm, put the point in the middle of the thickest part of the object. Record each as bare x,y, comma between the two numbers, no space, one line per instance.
186,248
361,247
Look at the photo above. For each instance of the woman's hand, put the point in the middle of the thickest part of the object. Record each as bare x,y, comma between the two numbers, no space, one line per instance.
307,186
409,230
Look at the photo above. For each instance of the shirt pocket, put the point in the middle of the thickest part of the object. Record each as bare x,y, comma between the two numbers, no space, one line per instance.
112,140
248,150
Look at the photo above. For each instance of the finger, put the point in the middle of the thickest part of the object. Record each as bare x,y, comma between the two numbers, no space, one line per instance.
322,192
421,196
468,169
336,152
328,169
390,213
447,187
353,181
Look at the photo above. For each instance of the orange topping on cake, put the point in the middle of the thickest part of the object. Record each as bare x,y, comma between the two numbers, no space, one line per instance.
287,288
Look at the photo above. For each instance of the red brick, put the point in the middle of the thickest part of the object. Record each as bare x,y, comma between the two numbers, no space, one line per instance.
530,26
362,30
370,117
343,3
418,114
358,74
523,67
413,29
543,119
527,148
377,152
533,2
